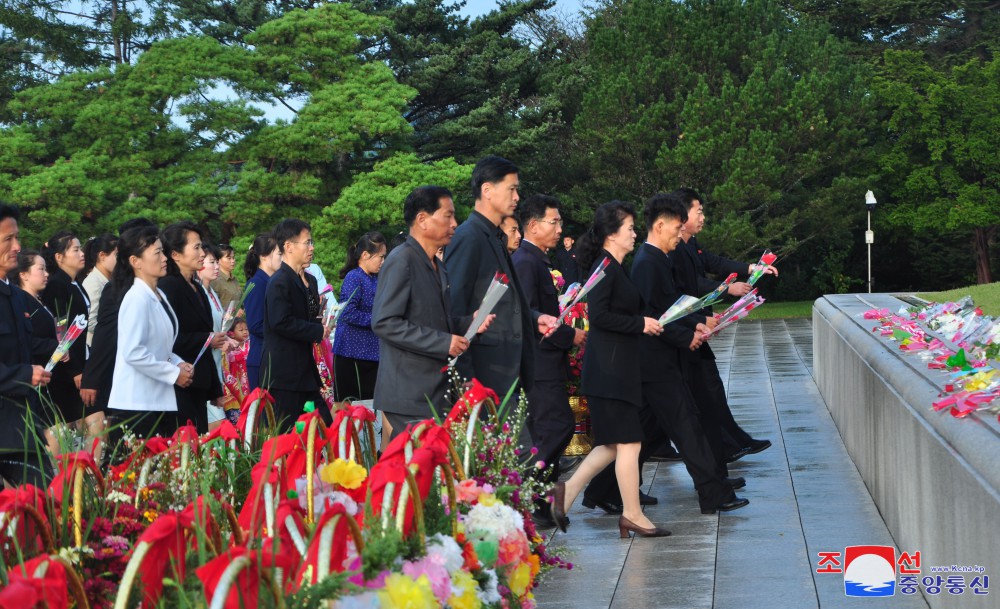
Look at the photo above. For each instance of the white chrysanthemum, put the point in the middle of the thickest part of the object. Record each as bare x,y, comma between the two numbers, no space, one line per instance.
488,592
445,551
492,521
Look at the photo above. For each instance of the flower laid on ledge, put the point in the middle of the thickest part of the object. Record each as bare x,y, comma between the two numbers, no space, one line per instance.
298,521
966,340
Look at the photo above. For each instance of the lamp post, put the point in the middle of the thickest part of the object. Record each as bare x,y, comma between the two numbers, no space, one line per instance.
869,234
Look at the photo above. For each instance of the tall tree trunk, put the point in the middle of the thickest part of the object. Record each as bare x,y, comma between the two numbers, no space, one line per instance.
115,34
981,245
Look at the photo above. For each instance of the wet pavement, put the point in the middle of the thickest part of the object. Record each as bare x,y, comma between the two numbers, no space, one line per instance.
806,497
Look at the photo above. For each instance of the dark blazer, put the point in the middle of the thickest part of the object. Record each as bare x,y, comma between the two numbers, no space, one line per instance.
533,270
567,265
194,324
66,301
16,394
253,307
652,273
502,354
100,368
412,318
689,271
290,331
611,362
43,331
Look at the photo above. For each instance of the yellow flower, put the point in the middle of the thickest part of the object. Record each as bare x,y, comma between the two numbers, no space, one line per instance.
150,515
402,592
346,474
488,499
520,579
463,591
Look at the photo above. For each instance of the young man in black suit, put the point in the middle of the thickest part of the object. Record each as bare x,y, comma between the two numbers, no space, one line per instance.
503,356
291,326
692,263
550,419
566,260
22,452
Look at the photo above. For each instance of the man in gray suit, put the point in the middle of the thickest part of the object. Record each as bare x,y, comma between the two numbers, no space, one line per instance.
501,356
412,316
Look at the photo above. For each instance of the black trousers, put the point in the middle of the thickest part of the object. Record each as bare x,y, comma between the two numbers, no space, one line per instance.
288,406
551,423
191,406
354,378
710,395
669,408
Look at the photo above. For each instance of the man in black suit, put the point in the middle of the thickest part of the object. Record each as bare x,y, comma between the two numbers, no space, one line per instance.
550,419
667,399
475,255
566,260
412,314
291,326
504,354
692,263
22,458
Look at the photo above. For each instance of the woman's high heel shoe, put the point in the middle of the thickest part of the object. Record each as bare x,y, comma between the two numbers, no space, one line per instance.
625,525
558,496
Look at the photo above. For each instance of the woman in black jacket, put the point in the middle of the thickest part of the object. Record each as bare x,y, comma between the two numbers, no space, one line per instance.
66,299
32,277
611,378
182,245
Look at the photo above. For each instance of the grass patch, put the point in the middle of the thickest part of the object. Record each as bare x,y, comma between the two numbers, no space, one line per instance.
782,310
986,296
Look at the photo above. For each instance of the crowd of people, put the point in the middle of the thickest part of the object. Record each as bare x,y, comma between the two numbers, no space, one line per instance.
154,357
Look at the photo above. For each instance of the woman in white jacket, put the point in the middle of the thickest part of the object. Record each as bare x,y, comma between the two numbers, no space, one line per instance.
146,369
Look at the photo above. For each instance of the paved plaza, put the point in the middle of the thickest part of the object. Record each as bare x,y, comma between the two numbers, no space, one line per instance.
806,497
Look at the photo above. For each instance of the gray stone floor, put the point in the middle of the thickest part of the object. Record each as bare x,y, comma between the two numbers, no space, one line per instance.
806,496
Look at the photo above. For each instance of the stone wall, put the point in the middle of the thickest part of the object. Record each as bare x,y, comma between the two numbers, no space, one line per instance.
934,478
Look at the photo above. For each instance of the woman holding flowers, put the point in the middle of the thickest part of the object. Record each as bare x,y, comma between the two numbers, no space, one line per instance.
611,378
146,368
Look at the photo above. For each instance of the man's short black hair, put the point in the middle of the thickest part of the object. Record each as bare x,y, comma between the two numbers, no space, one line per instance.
288,229
9,211
688,196
490,169
663,205
423,198
535,207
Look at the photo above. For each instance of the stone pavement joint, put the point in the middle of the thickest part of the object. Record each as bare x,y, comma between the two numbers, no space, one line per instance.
806,497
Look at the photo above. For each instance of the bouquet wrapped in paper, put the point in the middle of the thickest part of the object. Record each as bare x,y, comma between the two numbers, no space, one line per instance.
73,332
740,309
229,317
685,305
766,260
498,286
575,293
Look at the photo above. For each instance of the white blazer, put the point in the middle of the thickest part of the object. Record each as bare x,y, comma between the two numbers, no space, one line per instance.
145,367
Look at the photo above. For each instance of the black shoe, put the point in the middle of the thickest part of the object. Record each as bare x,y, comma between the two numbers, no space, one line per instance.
557,511
664,456
736,456
757,446
736,483
728,506
614,509
543,519
645,499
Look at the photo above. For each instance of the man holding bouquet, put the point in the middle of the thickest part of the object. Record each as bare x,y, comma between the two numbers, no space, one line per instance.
504,354
692,263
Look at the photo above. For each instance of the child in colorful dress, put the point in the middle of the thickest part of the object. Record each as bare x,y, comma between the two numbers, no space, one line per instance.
234,371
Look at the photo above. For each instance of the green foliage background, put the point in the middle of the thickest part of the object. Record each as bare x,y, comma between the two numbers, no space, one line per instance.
781,113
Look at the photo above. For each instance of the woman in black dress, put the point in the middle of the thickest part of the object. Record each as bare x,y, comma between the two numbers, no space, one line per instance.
66,299
610,377
185,256
32,277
